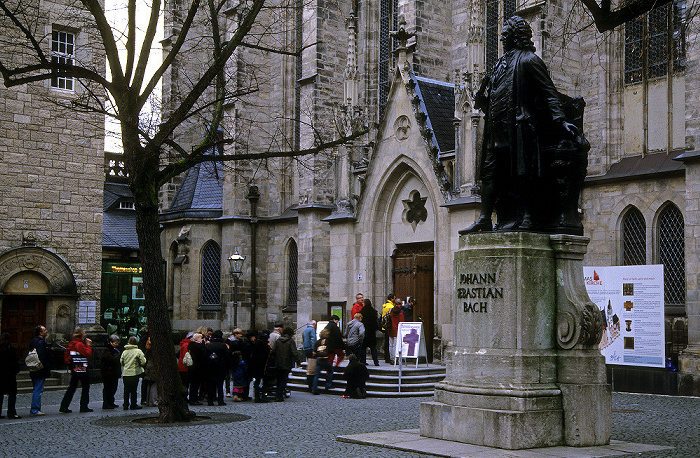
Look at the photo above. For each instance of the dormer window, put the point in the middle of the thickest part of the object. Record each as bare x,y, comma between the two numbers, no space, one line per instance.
126,205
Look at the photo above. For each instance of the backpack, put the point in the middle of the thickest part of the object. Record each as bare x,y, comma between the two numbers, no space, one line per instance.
32,361
386,321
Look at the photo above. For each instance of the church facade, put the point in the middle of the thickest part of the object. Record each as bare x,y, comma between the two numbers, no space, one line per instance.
382,214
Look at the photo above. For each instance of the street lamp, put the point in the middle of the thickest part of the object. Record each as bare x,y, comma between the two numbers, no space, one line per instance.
235,268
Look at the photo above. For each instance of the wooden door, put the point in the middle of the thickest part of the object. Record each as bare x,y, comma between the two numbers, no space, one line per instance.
20,315
413,276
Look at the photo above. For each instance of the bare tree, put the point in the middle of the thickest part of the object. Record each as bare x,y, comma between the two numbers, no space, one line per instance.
607,18
128,88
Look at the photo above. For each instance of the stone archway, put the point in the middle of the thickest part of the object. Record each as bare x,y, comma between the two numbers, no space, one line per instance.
34,285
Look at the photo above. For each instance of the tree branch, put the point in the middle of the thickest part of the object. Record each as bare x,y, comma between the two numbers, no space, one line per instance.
205,80
606,19
111,50
179,167
174,51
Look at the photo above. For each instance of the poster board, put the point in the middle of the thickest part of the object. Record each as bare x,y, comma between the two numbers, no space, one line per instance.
87,312
410,342
631,302
320,326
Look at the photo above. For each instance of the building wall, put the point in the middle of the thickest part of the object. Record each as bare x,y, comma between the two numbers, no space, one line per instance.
340,258
52,174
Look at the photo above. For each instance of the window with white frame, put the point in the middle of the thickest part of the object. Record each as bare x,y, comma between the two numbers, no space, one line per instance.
62,53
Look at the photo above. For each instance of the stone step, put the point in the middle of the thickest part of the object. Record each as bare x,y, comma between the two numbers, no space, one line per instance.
57,382
383,380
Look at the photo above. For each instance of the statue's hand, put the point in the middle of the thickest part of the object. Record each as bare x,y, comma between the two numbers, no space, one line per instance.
569,130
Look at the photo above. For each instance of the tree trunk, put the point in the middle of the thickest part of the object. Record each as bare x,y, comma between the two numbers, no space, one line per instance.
172,396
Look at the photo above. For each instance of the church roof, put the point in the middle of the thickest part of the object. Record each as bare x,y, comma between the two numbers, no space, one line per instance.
118,225
637,167
200,195
438,102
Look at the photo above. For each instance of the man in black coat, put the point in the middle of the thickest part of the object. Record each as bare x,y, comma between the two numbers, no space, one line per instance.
40,376
218,364
286,355
370,320
110,370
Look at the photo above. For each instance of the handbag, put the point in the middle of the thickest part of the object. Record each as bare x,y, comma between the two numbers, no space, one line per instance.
33,362
187,360
322,350
310,366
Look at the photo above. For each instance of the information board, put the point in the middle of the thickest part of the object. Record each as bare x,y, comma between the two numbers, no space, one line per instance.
631,303
410,341
87,312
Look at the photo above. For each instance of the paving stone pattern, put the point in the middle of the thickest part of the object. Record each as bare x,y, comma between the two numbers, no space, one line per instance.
303,425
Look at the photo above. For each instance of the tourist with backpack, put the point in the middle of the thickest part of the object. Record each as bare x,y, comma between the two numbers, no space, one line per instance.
76,358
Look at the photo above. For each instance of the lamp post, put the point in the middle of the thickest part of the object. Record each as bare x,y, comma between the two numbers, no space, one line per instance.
235,268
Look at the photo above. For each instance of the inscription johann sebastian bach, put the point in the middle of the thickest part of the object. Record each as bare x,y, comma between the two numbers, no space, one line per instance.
478,289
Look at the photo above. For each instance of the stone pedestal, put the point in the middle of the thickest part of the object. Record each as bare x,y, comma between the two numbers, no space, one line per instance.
511,382
689,367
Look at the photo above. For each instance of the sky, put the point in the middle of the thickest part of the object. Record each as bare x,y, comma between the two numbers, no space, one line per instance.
116,12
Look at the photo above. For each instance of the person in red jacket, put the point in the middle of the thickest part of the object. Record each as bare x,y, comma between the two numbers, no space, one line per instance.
357,306
396,318
182,369
76,357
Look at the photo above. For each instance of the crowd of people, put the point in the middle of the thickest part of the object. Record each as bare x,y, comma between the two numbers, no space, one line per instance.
213,368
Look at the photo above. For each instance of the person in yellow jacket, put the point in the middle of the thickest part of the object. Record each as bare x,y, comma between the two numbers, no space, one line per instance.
386,308
133,361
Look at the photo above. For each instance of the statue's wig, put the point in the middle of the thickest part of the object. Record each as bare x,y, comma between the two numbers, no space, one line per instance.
522,38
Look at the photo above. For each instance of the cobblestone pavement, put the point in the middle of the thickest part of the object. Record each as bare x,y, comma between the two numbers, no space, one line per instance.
303,425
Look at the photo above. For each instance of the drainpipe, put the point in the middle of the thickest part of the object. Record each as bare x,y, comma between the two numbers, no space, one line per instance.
253,197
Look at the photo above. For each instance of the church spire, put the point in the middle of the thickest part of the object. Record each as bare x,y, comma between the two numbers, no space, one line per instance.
352,80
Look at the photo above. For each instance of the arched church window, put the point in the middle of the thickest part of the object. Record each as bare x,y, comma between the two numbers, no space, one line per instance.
647,41
292,275
672,255
494,22
211,274
388,21
634,244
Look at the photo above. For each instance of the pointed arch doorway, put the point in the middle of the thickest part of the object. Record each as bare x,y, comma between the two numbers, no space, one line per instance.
413,277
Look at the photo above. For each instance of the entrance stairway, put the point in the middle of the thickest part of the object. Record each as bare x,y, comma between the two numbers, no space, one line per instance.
383,380
57,382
